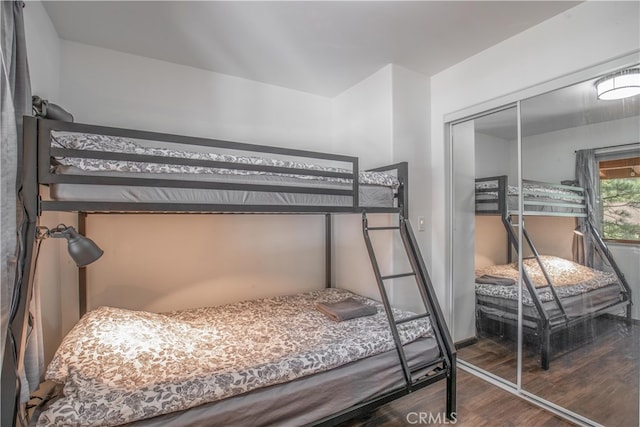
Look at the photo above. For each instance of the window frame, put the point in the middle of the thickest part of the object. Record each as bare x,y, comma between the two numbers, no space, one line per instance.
617,157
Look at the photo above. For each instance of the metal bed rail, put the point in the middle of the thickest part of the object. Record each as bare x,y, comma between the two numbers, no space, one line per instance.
491,200
347,171
540,198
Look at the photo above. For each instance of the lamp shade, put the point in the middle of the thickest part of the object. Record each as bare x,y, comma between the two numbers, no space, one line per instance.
82,249
622,84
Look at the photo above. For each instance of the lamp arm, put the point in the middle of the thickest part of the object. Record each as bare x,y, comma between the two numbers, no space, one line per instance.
59,232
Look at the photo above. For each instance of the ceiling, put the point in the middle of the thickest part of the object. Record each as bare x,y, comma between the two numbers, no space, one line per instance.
568,107
320,47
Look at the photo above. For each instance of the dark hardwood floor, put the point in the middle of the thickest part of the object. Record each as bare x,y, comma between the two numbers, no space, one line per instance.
594,371
595,376
479,404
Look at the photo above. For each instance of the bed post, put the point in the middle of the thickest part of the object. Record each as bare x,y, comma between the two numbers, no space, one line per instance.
82,271
451,389
545,348
403,191
604,251
328,265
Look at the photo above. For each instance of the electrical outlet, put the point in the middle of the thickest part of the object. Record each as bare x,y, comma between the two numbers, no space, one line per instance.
420,223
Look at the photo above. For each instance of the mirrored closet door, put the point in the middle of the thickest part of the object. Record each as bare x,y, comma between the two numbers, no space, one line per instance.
484,154
585,147
545,200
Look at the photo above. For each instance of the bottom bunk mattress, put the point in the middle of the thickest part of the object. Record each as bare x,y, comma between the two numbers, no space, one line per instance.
582,290
118,366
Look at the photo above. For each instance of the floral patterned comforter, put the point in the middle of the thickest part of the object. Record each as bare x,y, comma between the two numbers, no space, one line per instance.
118,366
568,277
94,142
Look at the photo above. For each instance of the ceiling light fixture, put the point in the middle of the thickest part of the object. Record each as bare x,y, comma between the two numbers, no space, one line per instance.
622,84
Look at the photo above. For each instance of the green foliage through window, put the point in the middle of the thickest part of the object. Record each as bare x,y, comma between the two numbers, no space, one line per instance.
620,199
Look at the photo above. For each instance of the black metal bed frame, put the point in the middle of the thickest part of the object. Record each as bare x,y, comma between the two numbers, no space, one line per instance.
494,201
38,157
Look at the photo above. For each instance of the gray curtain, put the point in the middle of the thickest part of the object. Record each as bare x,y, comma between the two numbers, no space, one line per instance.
15,102
587,175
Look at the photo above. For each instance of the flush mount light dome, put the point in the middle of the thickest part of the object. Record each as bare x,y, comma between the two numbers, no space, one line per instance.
622,84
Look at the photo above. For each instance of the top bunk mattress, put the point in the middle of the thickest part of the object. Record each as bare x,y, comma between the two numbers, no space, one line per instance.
376,189
118,366
539,198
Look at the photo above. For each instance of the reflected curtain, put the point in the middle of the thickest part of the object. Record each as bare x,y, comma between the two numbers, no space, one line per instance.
15,102
587,174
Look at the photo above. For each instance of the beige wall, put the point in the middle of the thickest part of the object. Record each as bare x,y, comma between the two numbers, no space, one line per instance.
550,235
169,262
491,241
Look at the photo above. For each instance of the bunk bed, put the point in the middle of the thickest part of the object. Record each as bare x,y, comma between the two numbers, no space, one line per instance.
557,294
368,361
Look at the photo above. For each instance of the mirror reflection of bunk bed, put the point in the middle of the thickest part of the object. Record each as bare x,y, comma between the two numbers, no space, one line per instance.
557,294
298,366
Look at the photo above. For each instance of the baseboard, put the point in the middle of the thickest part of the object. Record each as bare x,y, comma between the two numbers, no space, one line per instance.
465,342
621,318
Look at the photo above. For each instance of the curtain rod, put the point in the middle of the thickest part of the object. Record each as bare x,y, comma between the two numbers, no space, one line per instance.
615,148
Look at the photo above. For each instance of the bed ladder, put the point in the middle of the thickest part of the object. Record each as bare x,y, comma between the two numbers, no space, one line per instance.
545,319
601,247
413,379
536,255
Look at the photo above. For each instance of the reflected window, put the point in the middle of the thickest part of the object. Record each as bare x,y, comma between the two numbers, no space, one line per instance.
620,198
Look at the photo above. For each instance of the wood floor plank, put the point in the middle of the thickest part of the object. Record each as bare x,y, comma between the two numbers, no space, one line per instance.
597,377
479,404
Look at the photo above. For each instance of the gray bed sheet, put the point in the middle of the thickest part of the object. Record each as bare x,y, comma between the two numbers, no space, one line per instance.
544,205
538,199
575,306
535,205
369,195
307,399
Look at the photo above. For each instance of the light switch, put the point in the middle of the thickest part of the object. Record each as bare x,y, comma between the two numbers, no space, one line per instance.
420,223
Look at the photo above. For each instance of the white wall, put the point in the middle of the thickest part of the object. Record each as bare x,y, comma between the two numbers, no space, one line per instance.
160,263
44,50
411,120
363,125
493,157
363,120
551,156
585,35
411,143
106,87
384,119
627,257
